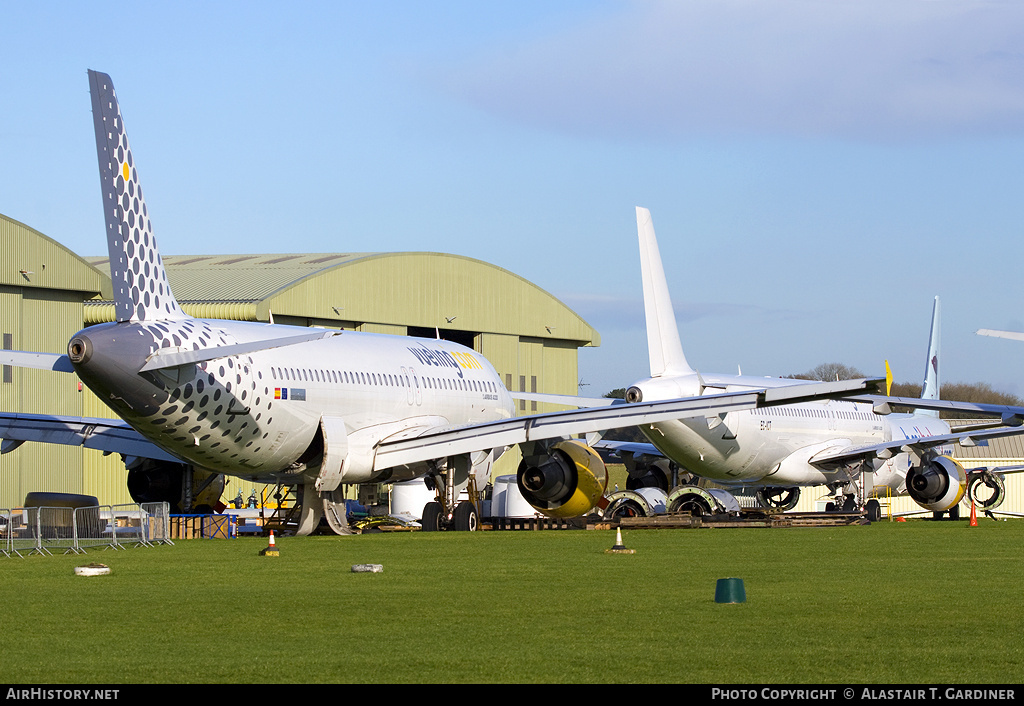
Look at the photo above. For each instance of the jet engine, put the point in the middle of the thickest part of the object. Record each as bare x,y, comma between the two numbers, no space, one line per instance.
937,484
152,481
566,479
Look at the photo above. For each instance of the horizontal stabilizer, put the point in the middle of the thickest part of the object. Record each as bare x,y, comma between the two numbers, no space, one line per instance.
38,361
174,358
107,435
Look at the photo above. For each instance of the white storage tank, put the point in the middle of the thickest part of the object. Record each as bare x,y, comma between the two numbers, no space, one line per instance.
507,501
409,496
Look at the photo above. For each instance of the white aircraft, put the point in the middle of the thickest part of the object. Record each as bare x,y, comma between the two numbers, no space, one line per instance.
1012,335
853,448
315,409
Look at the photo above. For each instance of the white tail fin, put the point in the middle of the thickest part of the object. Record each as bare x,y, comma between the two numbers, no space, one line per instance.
141,289
930,387
663,346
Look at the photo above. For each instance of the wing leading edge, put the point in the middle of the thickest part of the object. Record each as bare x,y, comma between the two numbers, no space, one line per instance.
541,427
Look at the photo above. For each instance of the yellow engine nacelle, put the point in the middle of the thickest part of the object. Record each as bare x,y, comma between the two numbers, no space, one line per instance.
937,484
564,480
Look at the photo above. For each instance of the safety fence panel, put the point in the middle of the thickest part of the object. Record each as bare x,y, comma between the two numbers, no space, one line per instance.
43,530
158,526
128,526
6,532
90,528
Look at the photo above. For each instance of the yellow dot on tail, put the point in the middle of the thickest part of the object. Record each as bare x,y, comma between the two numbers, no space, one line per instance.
124,169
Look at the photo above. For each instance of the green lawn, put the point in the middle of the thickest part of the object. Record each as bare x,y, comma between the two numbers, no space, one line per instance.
915,602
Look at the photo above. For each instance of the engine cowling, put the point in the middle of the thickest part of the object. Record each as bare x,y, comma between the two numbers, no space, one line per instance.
565,480
986,489
938,484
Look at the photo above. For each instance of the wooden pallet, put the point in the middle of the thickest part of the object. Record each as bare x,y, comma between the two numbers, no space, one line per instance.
757,519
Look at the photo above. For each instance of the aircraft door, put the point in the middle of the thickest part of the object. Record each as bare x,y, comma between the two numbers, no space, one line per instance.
417,391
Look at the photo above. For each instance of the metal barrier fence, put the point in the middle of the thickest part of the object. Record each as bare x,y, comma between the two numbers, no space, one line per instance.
43,530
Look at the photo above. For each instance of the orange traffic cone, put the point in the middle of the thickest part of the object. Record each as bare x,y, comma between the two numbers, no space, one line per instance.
272,549
974,516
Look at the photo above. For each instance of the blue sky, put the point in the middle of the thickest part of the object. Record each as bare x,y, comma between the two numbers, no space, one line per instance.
817,171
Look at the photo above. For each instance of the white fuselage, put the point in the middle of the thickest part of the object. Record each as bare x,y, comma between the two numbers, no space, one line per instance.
771,446
254,415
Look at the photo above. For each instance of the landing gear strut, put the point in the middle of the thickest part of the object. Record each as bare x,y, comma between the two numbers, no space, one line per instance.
447,512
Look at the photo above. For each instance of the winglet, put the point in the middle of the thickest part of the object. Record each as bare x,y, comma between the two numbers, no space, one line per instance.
888,379
663,346
141,289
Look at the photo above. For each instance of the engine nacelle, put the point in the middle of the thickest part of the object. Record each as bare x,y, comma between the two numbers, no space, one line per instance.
986,489
153,481
565,480
938,484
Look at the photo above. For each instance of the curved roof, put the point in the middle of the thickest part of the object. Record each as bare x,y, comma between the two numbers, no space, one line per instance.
409,288
31,259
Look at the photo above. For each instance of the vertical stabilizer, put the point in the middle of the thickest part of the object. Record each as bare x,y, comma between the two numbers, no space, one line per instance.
930,387
663,346
141,289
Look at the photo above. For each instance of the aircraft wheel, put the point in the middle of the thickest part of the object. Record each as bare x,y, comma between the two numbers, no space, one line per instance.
431,520
465,518
873,511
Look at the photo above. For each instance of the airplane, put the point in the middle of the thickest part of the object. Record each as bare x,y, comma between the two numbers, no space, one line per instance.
855,448
200,399
1012,335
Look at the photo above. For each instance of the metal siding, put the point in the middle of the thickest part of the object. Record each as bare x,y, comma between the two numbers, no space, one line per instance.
30,259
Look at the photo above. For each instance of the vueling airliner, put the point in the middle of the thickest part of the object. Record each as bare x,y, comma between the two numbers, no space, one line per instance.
313,409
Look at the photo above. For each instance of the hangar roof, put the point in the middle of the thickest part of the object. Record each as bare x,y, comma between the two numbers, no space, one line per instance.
410,288
30,259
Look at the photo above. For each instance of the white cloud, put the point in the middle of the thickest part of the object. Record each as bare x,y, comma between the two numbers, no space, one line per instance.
877,69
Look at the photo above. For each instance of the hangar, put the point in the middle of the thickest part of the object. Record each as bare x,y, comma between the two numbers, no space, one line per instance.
530,337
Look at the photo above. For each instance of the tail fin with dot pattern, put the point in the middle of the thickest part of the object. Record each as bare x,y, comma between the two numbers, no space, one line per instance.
141,288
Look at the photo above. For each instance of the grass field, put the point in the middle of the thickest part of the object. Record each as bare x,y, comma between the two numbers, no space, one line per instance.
915,602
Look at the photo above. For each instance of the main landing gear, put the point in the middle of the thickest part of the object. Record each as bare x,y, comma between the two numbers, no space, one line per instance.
447,512
464,518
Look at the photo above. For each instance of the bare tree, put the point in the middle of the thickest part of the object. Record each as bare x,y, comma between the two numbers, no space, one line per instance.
830,372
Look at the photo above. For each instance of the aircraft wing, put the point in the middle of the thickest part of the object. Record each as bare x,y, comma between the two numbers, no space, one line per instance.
38,361
1008,414
570,423
834,457
567,400
1012,335
107,435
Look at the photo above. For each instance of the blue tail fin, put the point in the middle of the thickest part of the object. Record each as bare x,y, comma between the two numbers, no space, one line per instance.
141,289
